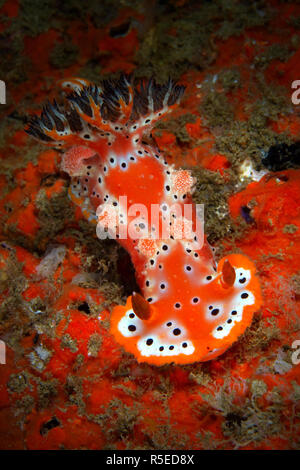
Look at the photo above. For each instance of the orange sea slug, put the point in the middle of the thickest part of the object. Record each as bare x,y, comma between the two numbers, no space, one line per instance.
188,310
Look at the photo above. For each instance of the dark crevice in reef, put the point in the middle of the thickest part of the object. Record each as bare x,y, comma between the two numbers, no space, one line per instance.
84,307
120,30
282,156
127,273
53,423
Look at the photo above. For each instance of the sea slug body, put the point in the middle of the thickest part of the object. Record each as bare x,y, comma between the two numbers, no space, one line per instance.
189,309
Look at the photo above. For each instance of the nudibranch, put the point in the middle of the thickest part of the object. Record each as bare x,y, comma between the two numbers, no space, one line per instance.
188,309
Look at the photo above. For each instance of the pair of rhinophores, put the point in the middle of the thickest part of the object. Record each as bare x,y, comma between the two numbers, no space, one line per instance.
188,309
